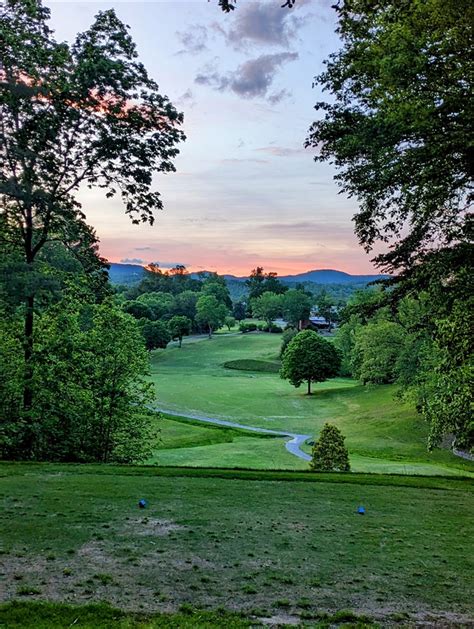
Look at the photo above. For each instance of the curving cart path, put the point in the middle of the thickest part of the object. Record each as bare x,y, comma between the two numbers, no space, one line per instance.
292,445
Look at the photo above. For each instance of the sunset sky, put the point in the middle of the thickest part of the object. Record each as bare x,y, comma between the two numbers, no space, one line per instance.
246,192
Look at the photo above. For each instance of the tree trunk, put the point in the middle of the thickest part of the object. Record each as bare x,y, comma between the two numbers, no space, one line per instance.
309,386
210,332
180,341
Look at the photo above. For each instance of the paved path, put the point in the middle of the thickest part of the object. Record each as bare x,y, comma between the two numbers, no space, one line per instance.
292,445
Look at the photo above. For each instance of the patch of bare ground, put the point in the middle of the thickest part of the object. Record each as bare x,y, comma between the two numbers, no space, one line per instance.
151,527
280,620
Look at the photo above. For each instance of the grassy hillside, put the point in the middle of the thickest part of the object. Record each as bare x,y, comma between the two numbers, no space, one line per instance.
266,547
383,434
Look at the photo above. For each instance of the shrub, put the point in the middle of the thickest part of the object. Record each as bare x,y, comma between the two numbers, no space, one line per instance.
275,329
247,327
329,451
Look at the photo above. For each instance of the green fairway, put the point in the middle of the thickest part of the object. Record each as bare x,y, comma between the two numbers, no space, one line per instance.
265,547
382,433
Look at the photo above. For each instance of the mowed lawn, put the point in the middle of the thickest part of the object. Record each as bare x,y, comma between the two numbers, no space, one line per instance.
383,434
280,549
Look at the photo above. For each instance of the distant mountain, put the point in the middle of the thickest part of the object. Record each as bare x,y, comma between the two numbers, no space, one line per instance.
330,276
125,273
133,273
319,276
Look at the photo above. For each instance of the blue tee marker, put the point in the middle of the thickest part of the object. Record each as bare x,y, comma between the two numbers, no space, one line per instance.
142,503
361,510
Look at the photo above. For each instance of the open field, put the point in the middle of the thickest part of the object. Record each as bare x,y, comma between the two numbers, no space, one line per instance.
273,547
383,434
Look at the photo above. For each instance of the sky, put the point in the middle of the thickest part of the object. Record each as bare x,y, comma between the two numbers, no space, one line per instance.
246,192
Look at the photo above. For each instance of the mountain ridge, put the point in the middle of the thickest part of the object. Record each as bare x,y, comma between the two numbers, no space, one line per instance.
131,273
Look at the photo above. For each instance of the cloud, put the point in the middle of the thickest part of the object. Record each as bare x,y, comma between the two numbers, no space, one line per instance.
235,160
308,230
186,99
193,40
168,265
262,23
132,261
282,151
251,79
147,248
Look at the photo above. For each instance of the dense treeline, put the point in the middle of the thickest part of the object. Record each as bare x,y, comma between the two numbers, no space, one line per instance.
399,126
73,364
171,304
421,341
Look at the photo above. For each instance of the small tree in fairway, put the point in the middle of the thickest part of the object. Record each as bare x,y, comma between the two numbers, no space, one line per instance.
309,358
329,451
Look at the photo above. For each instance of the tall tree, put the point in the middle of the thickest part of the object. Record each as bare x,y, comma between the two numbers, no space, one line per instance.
210,313
399,125
309,358
267,307
260,282
296,306
72,115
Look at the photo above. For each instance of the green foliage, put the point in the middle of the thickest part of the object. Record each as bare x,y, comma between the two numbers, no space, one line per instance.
324,304
329,451
82,114
267,307
210,313
239,310
155,333
309,358
179,326
398,123
296,306
174,281
447,400
138,310
160,304
185,304
90,390
260,282
288,334
245,327
344,340
229,322
215,285
376,349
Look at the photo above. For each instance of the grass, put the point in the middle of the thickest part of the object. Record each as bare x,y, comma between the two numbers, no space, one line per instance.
382,433
104,616
242,540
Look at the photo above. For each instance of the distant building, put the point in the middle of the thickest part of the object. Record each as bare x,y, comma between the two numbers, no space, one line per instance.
317,323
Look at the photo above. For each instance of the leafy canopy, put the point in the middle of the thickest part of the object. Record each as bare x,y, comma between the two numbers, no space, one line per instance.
309,358
399,125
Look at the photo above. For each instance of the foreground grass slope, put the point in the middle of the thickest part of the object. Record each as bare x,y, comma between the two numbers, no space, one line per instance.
382,433
264,547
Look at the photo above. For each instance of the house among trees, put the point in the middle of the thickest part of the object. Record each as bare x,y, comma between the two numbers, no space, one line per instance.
316,323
